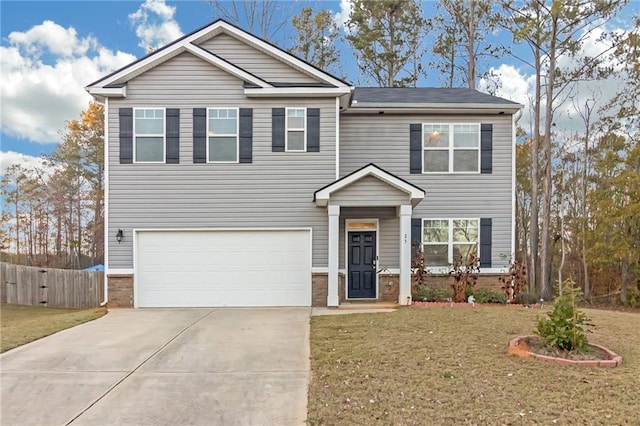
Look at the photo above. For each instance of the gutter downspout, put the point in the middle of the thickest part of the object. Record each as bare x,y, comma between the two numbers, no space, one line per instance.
516,117
106,201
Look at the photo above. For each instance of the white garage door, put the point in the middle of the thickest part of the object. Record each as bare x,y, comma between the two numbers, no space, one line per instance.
223,268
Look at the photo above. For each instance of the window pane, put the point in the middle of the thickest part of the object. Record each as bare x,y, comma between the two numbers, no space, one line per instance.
436,255
222,126
149,126
436,135
295,141
465,231
223,149
463,252
149,149
465,161
295,122
466,135
436,161
436,231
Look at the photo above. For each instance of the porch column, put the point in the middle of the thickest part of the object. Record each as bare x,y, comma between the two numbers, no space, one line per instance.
334,235
404,296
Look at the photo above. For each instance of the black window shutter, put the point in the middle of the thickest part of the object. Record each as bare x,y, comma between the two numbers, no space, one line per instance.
486,148
313,129
199,135
485,243
277,129
173,135
246,135
415,148
416,236
126,135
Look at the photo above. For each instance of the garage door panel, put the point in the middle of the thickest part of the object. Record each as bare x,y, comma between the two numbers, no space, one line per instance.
223,268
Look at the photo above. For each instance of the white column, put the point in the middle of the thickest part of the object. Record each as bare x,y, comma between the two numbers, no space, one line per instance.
334,235
404,296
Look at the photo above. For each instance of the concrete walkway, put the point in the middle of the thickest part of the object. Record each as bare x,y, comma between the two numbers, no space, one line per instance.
163,367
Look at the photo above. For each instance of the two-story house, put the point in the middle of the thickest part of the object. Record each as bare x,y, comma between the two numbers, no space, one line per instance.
240,175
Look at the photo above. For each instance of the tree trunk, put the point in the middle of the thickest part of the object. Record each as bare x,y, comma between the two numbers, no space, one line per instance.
545,252
624,280
471,64
535,147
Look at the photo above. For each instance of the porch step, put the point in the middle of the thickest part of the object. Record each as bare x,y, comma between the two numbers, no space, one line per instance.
367,305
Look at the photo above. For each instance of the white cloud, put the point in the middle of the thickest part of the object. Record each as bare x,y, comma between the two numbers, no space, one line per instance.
9,158
341,17
44,72
155,24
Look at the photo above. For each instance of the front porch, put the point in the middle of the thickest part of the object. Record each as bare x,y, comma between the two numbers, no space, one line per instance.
369,237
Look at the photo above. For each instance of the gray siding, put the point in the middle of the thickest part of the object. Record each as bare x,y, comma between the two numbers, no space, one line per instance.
256,62
369,191
384,141
276,190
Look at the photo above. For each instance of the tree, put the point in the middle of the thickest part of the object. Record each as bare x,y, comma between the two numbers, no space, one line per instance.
461,42
265,18
315,38
387,36
557,30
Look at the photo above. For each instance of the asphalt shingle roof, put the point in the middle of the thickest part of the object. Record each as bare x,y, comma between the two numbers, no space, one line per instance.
424,95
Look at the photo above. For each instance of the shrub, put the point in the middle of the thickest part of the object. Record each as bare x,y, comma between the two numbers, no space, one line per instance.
426,293
526,299
465,274
633,298
564,327
485,295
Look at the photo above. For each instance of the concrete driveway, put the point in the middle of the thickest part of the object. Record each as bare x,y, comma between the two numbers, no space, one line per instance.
164,367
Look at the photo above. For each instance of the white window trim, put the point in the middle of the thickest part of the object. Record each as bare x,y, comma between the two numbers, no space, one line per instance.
163,135
287,129
450,242
237,135
450,149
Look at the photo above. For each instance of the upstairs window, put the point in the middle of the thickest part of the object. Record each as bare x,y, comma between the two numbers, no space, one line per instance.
451,148
296,129
149,135
222,146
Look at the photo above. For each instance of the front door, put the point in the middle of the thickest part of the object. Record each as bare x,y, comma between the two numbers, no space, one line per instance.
362,265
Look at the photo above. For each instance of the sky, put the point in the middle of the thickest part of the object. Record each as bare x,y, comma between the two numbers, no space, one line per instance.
50,50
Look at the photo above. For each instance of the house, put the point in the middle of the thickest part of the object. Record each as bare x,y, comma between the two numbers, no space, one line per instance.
240,175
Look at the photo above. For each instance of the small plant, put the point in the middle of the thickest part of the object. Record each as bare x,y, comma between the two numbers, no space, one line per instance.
633,298
419,268
465,275
426,293
526,299
485,295
564,329
515,281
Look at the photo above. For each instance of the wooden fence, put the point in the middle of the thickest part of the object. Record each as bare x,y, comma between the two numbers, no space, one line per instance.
55,288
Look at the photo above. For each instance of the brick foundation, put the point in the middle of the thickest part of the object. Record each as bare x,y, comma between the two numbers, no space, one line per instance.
120,291
489,281
388,287
319,289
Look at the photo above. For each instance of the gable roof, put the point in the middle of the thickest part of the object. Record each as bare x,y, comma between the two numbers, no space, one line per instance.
416,97
188,43
323,195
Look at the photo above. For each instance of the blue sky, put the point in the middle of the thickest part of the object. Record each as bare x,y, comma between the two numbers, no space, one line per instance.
51,49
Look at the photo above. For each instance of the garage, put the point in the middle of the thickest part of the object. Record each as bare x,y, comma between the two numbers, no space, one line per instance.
232,268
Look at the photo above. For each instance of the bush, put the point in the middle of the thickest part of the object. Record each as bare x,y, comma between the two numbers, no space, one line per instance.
526,299
426,293
633,298
564,327
484,295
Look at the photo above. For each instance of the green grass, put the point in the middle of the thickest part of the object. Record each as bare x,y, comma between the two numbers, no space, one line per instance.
449,366
23,324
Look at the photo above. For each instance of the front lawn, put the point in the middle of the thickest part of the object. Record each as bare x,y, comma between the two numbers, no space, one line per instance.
23,324
444,365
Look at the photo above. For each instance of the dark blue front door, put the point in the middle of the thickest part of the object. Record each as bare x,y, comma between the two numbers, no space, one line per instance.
362,267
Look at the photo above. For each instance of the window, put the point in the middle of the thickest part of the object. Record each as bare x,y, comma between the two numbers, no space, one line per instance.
451,148
445,240
222,134
148,128
296,125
